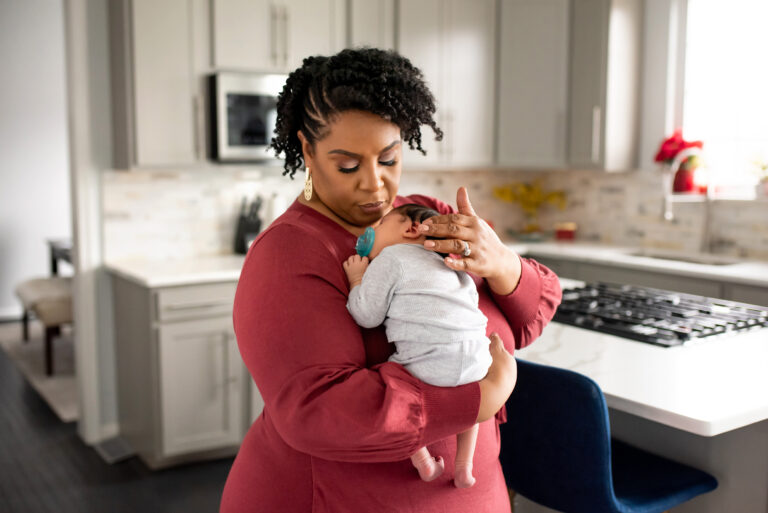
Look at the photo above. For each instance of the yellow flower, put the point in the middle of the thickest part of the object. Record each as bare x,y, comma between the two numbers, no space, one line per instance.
530,197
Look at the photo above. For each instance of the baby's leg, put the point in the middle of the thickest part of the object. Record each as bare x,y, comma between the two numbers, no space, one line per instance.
429,468
465,451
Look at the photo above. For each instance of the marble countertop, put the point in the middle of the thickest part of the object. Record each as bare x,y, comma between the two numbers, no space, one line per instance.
176,272
739,271
708,388
173,272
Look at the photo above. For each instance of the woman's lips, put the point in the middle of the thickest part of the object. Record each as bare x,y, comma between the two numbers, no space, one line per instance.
372,208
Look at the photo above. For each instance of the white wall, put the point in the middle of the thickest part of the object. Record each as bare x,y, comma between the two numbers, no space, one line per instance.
34,183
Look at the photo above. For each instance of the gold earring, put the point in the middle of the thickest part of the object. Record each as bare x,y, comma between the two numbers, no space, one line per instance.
308,186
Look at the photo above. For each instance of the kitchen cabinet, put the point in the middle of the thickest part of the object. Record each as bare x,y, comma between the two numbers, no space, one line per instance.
453,42
275,36
533,83
372,23
183,391
159,55
605,45
746,293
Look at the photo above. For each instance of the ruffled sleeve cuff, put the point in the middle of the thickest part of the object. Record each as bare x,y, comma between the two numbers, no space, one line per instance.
532,304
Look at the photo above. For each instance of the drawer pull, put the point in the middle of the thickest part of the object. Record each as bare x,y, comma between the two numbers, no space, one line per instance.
188,306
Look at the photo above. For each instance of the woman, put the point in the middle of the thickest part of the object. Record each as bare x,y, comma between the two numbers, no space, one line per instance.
339,421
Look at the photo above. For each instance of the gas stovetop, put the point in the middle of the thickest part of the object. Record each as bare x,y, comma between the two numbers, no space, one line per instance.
656,316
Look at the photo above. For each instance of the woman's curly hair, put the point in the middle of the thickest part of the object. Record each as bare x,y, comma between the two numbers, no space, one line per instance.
368,79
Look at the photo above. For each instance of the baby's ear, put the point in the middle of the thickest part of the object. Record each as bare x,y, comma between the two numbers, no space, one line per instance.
413,232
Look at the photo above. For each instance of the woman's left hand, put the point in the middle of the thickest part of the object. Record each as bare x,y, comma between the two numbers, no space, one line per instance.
473,246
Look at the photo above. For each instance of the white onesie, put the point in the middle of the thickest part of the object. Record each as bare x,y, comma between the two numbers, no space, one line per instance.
430,313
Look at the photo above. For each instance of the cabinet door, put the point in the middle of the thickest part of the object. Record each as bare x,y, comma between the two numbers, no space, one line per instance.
533,83
589,50
372,23
420,39
201,386
453,42
308,29
469,83
746,293
164,86
246,34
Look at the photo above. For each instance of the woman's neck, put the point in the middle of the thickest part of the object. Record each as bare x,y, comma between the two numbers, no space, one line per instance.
320,207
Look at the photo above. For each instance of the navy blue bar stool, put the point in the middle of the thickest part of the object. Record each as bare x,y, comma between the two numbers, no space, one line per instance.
556,450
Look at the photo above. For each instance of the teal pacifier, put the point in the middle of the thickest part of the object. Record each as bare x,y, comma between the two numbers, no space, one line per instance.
364,243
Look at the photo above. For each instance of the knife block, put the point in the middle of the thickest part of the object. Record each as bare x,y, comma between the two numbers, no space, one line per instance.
248,228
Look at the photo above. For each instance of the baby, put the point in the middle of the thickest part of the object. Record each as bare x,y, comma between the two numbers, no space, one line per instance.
430,313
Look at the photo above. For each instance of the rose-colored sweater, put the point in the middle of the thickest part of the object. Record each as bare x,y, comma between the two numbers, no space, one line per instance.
339,421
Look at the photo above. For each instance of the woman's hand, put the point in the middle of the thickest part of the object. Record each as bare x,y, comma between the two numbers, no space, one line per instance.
474,243
498,384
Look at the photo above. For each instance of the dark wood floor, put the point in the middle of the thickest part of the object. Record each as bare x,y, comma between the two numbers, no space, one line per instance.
45,467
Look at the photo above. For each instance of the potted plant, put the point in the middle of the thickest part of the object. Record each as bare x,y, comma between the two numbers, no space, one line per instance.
531,197
683,159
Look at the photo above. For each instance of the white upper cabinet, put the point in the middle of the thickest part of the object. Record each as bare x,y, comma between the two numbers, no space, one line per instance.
453,42
533,83
158,57
604,85
372,23
275,36
246,34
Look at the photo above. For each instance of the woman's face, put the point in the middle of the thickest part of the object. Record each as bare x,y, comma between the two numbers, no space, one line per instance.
356,167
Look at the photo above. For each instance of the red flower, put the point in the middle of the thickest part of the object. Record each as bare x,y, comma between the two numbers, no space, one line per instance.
673,145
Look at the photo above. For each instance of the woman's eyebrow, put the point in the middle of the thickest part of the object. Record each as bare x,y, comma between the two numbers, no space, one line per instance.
355,155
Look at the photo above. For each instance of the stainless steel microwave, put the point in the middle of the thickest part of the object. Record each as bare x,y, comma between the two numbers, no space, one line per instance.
243,114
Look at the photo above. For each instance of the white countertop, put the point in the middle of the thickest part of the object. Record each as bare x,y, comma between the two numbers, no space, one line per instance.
747,272
707,388
175,272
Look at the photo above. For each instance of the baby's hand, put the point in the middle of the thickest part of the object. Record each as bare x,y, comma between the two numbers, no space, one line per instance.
355,267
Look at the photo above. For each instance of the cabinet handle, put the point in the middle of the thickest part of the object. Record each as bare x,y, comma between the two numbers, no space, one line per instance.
596,134
273,33
196,121
187,306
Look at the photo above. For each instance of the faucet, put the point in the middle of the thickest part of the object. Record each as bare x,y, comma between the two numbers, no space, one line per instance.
706,236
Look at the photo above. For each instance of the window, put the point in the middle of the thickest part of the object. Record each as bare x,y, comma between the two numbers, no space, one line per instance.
726,82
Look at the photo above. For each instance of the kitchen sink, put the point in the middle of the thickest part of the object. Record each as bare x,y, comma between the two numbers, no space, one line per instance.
700,258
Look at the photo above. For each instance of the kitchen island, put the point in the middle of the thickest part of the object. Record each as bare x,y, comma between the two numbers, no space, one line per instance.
705,404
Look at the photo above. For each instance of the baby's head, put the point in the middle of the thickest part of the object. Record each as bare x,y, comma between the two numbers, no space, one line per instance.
401,226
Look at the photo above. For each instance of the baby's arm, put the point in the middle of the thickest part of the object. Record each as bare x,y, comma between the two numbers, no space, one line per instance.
371,288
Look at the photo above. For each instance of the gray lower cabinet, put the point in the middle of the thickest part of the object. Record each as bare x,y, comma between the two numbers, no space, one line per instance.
183,391
717,287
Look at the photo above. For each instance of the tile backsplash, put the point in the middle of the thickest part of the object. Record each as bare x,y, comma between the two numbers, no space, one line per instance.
184,213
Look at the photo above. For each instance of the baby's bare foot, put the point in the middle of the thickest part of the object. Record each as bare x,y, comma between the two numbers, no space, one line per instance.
462,477
430,468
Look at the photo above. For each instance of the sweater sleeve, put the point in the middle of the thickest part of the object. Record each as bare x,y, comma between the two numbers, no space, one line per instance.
532,304
369,302
307,357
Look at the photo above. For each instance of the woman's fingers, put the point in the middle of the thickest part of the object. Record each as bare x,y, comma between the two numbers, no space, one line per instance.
462,202
448,225
456,246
